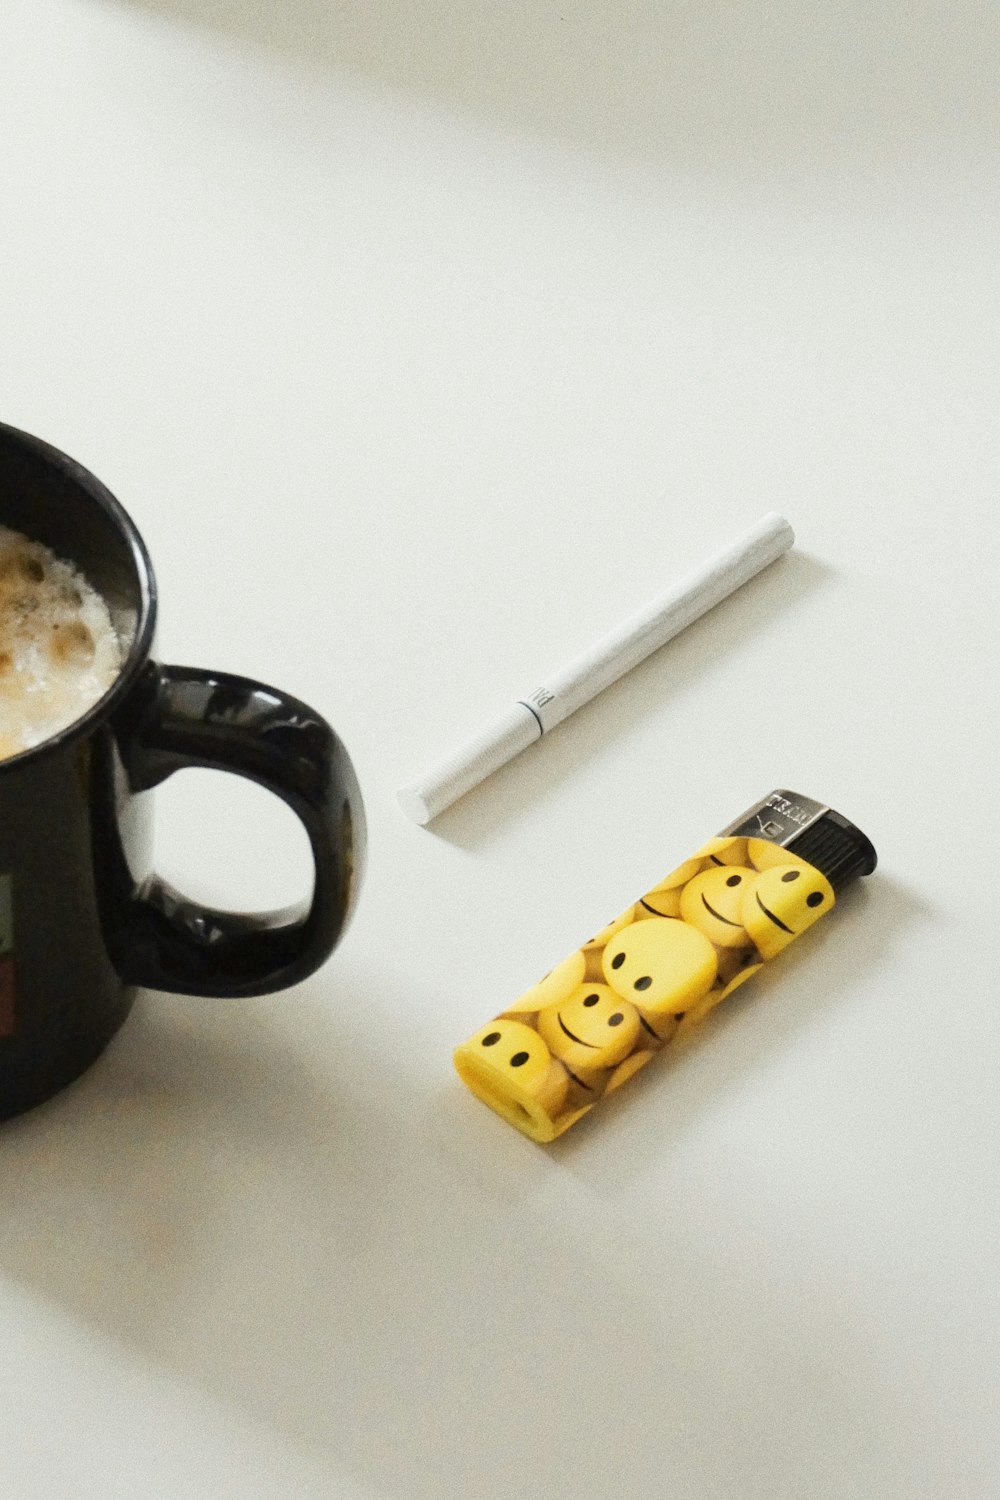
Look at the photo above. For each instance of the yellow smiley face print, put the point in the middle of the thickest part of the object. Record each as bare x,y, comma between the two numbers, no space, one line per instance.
662,966
713,901
594,1029
508,1066
783,901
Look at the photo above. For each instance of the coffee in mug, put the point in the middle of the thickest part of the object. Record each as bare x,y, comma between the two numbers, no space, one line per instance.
59,651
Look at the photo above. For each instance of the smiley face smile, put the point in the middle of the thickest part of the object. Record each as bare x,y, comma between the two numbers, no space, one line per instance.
718,915
772,918
573,1038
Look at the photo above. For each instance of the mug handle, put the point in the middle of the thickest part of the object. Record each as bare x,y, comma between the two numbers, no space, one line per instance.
190,717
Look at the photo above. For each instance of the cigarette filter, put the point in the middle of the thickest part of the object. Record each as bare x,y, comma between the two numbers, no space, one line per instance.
664,964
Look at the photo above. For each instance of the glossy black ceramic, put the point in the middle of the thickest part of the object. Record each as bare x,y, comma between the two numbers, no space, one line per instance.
83,919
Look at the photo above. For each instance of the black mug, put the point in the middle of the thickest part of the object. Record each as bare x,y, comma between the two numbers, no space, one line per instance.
83,920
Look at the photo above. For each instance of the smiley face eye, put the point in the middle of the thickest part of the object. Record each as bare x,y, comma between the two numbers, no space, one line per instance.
591,1000
519,1059
618,960
616,1019
791,875
734,879
492,1039
643,983
814,898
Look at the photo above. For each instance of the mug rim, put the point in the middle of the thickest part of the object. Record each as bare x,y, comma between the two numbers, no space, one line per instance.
139,650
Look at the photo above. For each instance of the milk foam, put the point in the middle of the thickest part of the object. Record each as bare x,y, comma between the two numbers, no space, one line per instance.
58,649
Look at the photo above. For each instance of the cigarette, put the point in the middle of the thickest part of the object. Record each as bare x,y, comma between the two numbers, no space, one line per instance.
598,667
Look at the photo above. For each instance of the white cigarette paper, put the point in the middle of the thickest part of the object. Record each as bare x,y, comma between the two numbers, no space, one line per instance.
596,668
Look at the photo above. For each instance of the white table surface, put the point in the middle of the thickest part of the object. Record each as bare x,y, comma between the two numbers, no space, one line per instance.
423,341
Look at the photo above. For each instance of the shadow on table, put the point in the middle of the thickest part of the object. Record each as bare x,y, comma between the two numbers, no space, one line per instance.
703,85
392,1282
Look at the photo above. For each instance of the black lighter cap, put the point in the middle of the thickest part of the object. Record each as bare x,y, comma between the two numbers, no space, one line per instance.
811,830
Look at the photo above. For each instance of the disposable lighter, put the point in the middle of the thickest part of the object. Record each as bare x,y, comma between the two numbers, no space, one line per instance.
660,967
